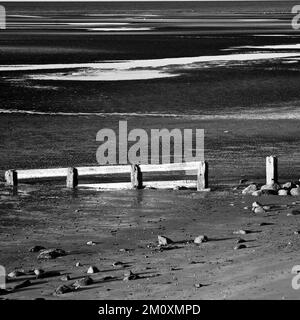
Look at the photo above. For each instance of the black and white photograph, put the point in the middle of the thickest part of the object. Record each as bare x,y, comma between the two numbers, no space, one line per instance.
149,150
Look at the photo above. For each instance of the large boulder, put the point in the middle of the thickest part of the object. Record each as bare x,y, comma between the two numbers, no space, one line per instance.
272,187
250,189
257,193
288,185
283,192
295,191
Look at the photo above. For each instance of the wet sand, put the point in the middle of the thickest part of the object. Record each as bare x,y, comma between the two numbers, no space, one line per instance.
235,149
55,217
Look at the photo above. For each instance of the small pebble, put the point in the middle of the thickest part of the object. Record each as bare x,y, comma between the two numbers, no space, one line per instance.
92,269
65,277
129,275
240,246
240,232
163,241
201,239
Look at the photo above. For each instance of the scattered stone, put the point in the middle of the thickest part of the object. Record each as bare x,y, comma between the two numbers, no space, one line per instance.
123,250
283,192
256,204
288,185
297,232
240,240
118,263
51,254
36,249
83,282
78,264
201,239
240,246
65,277
38,272
246,208
62,289
259,210
250,189
164,241
242,181
295,191
91,243
266,208
198,285
129,275
16,273
241,232
271,187
257,193
92,269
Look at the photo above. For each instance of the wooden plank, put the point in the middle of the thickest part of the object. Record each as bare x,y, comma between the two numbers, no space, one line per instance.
147,184
186,166
42,173
101,170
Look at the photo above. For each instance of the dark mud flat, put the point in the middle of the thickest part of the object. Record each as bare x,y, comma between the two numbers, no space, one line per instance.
124,227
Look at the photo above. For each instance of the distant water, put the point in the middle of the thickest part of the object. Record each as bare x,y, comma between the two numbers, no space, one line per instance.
77,58
148,62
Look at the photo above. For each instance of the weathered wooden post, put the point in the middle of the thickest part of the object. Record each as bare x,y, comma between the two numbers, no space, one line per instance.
11,178
72,178
271,170
136,177
202,176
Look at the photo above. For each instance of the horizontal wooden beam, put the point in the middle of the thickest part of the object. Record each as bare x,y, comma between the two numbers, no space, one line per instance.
146,184
32,174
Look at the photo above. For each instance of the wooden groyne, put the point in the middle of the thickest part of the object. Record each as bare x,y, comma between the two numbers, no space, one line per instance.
73,175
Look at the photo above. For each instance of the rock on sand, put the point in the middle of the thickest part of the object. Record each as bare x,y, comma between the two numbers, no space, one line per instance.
163,241
250,189
201,239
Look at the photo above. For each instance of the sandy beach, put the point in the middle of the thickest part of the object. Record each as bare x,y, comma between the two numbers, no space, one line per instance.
124,227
